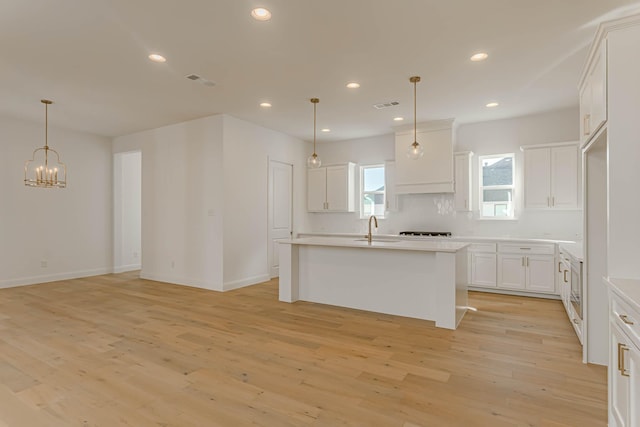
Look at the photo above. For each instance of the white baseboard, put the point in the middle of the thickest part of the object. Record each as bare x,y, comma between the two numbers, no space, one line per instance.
175,280
125,268
228,286
33,280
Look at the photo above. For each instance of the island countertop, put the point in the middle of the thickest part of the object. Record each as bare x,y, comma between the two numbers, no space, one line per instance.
403,245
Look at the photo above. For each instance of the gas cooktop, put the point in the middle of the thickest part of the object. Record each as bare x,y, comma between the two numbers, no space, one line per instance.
426,233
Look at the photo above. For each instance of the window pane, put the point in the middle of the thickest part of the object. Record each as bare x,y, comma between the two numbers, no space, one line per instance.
497,210
497,171
373,179
497,195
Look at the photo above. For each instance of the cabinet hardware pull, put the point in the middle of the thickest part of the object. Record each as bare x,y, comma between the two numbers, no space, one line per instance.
548,202
387,204
553,201
525,249
527,261
625,319
565,277
559,270
621,367
522,261
585,124
466,204
575,321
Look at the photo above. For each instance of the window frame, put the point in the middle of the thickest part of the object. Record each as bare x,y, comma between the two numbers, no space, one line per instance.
362,191
511,187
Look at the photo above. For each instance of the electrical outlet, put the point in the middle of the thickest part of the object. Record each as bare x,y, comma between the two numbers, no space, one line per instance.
43,264
173,264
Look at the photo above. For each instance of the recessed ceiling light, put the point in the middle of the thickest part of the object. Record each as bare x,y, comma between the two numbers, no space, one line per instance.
398,119
265,104
353,85
480,56
325,130
157,58
492,104
261,14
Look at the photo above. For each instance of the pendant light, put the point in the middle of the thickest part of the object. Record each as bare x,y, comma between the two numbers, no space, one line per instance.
415,150
42,170
313,161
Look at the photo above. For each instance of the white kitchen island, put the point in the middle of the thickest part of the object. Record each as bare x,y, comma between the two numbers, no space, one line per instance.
420,279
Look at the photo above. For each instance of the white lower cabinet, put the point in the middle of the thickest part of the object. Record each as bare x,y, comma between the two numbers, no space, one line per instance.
527,267
624,355
519,267
483,265
620,377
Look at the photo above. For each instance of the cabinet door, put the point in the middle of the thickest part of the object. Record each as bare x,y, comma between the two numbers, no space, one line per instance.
540,276
511,271
564,177
316,189
483,270
462,182
537,178
340,188
634,386
619,387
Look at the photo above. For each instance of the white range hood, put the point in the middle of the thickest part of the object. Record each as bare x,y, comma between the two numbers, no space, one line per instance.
433,173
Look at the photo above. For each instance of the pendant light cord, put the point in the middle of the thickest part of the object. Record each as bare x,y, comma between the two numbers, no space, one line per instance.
415,114
314,127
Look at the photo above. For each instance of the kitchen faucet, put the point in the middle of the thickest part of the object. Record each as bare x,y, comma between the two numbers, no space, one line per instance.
372,217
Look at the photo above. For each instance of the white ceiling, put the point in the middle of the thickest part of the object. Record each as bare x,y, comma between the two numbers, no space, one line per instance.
90,57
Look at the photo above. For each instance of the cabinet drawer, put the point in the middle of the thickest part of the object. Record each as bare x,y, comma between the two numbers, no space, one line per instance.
482,247
627,318
526,248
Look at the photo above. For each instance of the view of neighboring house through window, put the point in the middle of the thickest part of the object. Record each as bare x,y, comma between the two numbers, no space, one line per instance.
496,186
372,197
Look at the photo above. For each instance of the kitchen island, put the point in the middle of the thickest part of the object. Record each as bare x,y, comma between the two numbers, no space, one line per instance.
420,279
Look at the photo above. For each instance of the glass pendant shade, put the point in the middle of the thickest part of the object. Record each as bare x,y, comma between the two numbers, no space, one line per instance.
314,162
415,151
45,168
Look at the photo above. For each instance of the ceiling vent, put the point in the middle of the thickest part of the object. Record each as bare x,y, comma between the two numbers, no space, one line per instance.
386,105
202,80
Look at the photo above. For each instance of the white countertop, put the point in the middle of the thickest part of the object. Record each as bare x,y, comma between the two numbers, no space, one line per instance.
397,244
469,239
573,249
628,289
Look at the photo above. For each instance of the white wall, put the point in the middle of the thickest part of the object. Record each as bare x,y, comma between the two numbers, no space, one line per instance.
70,229
204,199
247,150
127,211
182,192
421,212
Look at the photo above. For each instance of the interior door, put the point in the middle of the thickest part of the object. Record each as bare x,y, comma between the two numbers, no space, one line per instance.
280,210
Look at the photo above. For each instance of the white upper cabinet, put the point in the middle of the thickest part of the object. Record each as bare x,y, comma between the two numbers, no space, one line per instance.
551,176
462,181
433,173
593,95
331,188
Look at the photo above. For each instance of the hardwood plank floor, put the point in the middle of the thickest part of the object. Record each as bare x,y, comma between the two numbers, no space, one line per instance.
116,350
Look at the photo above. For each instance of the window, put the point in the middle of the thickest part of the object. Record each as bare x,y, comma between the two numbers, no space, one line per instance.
496,186
372,194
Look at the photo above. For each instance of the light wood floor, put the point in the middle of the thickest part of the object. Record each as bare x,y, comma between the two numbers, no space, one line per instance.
116,350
